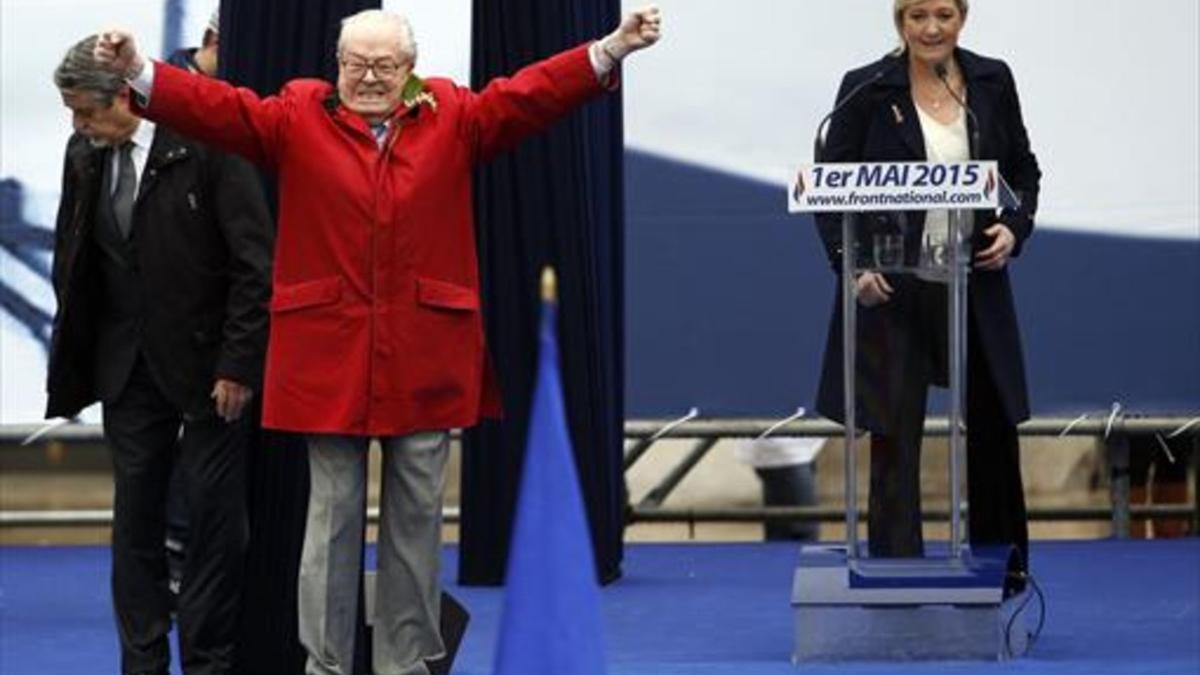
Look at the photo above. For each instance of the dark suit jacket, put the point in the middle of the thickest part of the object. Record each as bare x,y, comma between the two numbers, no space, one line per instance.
881,124
202,256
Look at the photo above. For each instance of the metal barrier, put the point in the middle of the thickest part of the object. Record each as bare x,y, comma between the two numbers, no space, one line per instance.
642,435
1115,430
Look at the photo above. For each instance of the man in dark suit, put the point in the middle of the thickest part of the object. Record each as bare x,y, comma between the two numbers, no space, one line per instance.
162,276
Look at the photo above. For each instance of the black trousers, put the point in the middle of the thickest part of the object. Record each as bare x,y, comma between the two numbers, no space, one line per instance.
997,497
148,435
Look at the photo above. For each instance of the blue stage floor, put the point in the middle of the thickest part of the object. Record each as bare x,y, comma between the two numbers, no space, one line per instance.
1113,607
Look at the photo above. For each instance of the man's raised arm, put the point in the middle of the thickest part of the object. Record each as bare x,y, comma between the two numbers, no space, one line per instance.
234,119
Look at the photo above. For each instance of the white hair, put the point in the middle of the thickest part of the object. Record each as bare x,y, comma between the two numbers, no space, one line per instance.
406,44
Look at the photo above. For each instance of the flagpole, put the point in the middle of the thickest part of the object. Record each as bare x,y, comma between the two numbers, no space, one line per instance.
549,285
551,623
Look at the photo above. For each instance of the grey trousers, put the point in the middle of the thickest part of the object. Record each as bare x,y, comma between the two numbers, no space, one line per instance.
407,589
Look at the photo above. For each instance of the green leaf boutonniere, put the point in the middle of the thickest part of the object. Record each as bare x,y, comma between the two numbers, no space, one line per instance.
415,94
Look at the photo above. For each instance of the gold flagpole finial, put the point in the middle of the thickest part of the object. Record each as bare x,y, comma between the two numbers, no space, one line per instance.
549,285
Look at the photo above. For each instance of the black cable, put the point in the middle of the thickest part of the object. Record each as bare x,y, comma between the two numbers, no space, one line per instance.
943,74
1037,631
1032,636
819,142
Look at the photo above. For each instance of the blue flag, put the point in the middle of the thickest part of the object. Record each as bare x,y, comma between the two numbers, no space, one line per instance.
551,623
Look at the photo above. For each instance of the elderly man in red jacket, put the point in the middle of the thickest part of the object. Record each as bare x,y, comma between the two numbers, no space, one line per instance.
376,327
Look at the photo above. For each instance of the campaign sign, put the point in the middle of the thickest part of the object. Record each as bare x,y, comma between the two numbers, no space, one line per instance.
894,186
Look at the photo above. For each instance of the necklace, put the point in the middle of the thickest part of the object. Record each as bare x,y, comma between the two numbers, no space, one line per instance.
936,96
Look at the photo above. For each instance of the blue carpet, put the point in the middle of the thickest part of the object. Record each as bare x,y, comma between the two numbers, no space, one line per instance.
1113,607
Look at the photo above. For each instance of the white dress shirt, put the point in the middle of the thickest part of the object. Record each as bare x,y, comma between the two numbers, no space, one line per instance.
142,139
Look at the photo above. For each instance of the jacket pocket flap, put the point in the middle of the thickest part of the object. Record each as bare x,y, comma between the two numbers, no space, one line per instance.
314,293
446,295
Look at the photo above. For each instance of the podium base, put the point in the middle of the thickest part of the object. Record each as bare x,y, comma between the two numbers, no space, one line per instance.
899,609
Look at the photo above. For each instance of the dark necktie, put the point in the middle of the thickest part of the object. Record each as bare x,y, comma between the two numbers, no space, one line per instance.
380,132
123,196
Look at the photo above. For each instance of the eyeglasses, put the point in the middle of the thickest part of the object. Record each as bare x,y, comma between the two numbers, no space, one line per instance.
384,69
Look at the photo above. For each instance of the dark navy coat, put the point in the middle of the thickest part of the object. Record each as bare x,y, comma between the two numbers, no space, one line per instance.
881,124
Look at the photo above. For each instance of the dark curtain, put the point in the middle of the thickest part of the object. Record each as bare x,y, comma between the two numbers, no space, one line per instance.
558,200
268,42
263,45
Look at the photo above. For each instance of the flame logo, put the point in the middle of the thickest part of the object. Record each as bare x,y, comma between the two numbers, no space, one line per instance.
990,186
800,189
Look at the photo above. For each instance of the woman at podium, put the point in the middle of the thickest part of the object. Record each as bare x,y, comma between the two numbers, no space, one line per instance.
931,100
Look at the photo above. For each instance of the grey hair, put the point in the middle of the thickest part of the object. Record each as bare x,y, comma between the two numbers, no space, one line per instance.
378,17
79,71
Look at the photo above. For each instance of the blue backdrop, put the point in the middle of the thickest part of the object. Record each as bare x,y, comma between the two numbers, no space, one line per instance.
729,300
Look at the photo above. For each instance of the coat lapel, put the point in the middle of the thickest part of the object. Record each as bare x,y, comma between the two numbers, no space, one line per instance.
909,125
91,165
902,113
984,89
164,151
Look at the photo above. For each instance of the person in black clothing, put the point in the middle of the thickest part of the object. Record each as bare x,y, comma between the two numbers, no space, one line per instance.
162,275
909,114
202,59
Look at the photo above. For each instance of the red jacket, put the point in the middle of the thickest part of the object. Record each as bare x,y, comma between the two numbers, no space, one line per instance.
375,317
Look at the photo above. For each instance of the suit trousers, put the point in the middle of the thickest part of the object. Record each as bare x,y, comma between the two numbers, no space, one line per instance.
997,500
148,435
408,586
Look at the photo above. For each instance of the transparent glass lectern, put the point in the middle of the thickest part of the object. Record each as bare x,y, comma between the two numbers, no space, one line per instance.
943,257
850,606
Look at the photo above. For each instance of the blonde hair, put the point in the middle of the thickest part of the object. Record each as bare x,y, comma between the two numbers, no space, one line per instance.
899,7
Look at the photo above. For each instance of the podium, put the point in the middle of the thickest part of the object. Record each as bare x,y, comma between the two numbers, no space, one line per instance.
953,606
